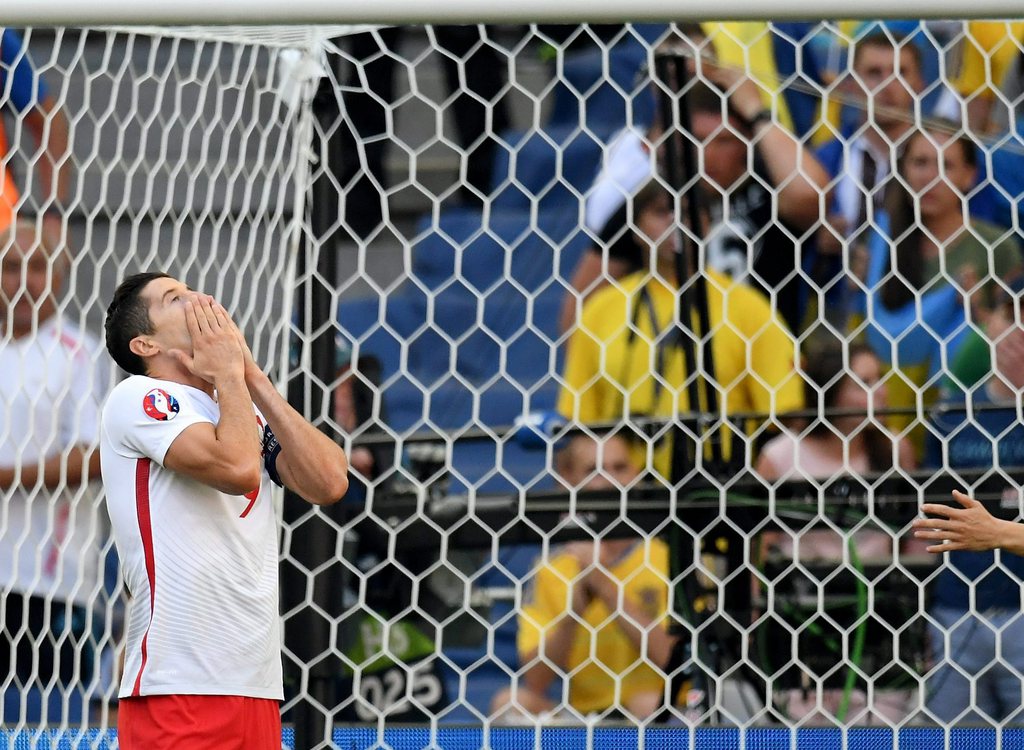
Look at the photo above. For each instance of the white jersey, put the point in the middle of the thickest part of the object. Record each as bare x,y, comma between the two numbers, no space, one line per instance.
51,388
201,565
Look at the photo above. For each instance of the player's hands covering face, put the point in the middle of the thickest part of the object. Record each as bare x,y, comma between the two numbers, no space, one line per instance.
250,363
216,351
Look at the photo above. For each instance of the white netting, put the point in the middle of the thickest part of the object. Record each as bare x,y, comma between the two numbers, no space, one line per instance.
176,154
437,237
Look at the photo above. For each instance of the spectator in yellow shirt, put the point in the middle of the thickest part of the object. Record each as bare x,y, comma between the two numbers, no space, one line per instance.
986,53
572,624
622,361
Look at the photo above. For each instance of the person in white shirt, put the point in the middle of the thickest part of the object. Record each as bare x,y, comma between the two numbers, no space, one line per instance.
190,443
51,530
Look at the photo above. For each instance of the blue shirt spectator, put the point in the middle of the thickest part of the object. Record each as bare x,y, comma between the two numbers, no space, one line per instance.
976,599
931,268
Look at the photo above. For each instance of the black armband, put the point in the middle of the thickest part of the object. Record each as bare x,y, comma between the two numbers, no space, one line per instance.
271,450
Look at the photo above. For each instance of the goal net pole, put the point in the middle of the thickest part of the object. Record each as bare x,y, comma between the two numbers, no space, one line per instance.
197,12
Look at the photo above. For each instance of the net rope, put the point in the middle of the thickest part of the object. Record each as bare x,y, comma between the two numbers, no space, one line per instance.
576,500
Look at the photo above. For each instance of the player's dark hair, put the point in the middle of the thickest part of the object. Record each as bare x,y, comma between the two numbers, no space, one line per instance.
128,317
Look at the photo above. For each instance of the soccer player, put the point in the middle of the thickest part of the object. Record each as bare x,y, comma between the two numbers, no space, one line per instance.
189,444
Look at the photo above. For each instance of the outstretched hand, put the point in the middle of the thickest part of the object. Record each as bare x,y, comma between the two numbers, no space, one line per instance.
216,353
970,527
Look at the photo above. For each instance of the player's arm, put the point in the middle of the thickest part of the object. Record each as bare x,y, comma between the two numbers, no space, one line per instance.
558,640
971,528
225,456
309,462
798,176
77,465
557,644
587,278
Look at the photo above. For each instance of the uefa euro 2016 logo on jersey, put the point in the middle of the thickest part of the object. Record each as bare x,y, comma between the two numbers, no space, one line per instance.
160,405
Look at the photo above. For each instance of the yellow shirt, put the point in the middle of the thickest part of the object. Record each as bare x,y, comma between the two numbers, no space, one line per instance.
988,49
608,371
643,573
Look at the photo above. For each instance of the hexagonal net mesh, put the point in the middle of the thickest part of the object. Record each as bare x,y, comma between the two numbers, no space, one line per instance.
646,342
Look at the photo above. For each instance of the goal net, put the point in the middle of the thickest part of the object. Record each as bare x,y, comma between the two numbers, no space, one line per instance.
646,343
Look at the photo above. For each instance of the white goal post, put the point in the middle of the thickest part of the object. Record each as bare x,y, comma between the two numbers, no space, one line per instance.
264,12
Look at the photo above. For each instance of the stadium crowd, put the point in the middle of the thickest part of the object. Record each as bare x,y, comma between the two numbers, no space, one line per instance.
904,276
865,259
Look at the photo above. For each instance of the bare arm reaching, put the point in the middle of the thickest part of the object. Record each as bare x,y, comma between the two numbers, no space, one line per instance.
79,464
793,169
970,528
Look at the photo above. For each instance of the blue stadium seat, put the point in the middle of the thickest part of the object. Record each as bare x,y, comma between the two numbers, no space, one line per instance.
485,273
476,462
485,678
452,403
460,244
532,353
528,336
35,707
378,332
585,93
482,327
552,168
481,250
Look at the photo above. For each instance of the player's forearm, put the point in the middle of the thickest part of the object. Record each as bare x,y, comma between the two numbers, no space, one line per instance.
559,642
588,271
310,462
77,467
537,676
1012,536
556,646
238,440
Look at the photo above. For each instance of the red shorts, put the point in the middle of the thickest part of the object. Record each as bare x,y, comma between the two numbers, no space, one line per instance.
198,722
